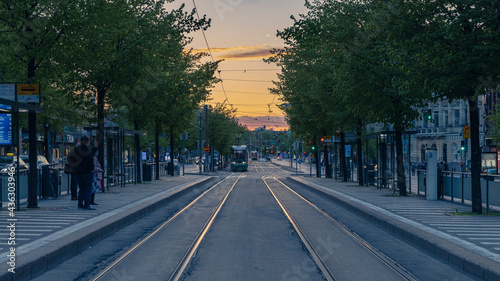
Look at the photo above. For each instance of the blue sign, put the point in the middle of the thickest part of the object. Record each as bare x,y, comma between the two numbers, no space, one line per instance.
347,151
5,129
299,161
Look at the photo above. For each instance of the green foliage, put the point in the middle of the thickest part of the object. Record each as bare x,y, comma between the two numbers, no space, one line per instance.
223,128
96,59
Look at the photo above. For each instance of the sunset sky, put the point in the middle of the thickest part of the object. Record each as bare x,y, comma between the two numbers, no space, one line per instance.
242,33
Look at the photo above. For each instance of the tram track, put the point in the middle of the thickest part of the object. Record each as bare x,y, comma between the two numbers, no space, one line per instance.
184,262
322,259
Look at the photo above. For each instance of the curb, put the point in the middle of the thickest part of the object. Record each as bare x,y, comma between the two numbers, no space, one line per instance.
463,260
43,259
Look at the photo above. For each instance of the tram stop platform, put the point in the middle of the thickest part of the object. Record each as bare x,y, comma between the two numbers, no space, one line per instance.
57,229
467,242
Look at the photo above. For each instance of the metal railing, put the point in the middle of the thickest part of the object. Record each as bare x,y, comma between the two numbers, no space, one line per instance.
457,187
60,183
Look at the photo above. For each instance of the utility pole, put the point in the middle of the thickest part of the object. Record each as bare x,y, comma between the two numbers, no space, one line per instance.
199,147
206,137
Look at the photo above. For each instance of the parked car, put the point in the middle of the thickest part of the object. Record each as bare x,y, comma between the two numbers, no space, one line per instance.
41,161
7,161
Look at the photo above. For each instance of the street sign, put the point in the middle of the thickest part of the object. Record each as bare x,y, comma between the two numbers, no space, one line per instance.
466,136
206,148
28,93
466,129
327,138
299,161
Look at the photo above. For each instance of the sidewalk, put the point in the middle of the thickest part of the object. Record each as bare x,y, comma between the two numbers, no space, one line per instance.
470,243
58,230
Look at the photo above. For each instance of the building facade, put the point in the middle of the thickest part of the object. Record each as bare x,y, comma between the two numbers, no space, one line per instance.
442,128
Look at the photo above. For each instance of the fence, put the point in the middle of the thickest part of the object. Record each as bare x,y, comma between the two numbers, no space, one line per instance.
59,183
456,187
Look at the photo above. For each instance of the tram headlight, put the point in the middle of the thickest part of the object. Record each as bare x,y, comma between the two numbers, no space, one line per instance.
233,162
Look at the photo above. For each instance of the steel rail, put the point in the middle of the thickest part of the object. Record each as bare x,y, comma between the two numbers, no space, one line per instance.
164,224
315,256
376,252
181,267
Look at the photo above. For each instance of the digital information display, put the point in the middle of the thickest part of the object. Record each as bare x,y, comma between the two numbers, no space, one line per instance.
5,129
7,91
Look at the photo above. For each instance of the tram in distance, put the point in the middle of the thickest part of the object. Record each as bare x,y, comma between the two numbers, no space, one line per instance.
239,158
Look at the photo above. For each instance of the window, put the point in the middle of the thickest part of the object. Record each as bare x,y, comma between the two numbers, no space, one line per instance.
436,119
445,153
457,118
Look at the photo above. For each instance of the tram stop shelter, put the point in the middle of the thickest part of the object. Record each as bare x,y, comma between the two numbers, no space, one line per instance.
119,158
383,172
9,137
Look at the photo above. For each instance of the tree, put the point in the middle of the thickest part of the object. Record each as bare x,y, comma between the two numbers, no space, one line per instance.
29,32
223,128
452,49
119,43
337,70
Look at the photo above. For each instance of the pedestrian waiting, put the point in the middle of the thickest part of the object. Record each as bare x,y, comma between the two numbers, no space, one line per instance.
96,184
82,161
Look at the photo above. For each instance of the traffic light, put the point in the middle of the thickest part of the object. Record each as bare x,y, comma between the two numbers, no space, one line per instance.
462,146
313,148
322,140
429,115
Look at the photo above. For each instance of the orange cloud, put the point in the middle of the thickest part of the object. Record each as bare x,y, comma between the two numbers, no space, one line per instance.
276,123
240,52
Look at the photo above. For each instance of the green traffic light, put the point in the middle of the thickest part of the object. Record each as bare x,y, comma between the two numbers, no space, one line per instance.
462,148
313,148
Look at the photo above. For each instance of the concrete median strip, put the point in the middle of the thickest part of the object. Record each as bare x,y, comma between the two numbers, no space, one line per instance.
34,260
484,266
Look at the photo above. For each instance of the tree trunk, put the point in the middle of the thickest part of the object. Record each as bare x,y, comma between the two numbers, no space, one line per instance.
400,170
343,164
137,141
172,143
318,161
46,143
101,93
328,168
359,149
475,167
157,152
32,176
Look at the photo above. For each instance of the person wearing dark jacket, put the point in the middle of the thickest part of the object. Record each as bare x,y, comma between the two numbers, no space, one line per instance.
82,162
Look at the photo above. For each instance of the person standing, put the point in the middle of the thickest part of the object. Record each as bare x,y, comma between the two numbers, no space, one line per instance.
74,176
82,162
96,185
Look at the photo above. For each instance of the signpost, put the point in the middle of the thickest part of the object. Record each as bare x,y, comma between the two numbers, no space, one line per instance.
28,93
466,134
